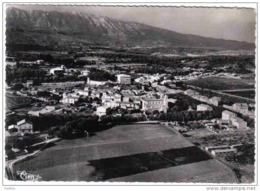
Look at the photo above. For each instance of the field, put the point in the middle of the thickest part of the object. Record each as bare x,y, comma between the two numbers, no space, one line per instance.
13,101
138,152
246,94
218,83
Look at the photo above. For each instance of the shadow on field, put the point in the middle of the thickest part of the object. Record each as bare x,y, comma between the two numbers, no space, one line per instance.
128,165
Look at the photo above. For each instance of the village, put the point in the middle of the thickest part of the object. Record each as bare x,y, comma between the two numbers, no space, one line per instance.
140,96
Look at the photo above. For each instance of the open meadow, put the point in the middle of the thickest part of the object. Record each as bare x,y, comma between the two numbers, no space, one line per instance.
220,83
136,152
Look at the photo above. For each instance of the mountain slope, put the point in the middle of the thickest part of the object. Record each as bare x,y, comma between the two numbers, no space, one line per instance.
36,29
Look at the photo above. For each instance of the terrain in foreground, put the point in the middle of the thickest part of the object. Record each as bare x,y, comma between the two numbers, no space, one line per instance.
129,153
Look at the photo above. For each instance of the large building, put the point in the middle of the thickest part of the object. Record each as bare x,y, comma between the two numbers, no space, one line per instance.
221,152
123,79
155,102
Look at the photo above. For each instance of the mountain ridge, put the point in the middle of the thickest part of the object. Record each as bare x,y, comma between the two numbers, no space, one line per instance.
48,29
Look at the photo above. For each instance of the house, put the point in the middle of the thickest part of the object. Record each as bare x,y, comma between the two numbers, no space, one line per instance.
29,83
227,115
240,107
25,126
102,110
22,127
85,72
129,105
83,92
40,61
204,107
123,79
111,104
96,83
190,92
57,70
69,100
95,93
215,100
239,123
211,148
203,99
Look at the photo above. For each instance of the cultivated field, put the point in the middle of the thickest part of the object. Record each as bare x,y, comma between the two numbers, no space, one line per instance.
219,83
148,150
246,94
14,101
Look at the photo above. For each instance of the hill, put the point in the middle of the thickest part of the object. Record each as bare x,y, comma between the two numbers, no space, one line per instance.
41,30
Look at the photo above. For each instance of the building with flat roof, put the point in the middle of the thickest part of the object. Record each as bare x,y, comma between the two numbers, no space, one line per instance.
123,79
219,152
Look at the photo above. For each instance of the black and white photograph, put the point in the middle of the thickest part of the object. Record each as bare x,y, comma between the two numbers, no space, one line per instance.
129,94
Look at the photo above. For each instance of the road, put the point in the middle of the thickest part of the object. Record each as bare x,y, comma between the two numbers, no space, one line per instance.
9,167
222,93
238,90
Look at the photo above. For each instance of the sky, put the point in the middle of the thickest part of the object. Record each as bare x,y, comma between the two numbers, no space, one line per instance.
223,23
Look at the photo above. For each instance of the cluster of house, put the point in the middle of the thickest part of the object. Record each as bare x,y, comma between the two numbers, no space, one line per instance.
242,108
21,127
131,100
149,79
230,119
203,107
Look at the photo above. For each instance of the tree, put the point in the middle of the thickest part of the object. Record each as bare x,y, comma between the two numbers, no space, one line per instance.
17,87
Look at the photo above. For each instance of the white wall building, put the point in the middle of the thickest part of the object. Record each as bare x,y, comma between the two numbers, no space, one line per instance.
57,70
22,127
227,115
69,100
102,110
204,107
219,152
240,107
215,100
239,123
153,103
85,72
123,79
